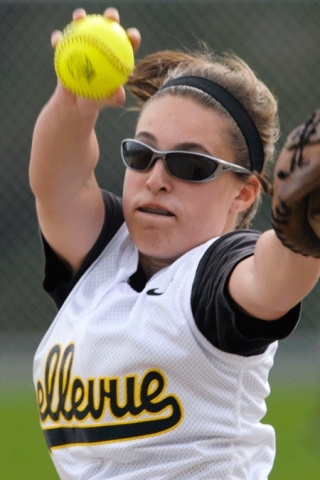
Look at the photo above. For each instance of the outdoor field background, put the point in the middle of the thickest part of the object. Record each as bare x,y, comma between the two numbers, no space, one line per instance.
280,39
294,411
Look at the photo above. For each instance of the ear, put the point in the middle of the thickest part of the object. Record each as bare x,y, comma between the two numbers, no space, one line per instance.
247,194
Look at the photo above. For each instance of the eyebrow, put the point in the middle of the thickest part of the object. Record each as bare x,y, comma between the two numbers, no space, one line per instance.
187,146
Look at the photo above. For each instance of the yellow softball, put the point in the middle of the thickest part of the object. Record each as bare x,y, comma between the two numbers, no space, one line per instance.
94,57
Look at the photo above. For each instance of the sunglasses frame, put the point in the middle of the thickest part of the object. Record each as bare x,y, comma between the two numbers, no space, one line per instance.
222,165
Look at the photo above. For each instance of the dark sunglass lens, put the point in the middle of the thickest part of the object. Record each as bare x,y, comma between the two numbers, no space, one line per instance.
188,166
136,156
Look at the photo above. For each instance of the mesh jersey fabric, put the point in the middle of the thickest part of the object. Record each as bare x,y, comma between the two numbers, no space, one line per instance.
129,388
217,317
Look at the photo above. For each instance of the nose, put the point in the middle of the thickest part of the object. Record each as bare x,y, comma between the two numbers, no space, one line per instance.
158,177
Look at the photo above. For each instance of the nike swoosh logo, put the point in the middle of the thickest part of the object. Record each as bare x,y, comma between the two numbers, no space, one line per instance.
152,291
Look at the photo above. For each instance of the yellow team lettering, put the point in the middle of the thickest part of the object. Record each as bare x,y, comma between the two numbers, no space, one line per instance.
62,396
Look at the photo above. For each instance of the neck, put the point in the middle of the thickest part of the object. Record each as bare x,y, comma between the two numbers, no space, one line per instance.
151,265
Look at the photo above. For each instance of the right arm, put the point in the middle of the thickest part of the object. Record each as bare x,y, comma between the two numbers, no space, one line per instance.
64,155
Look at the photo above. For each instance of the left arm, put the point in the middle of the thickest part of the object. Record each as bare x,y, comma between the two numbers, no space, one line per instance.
273,280
276,278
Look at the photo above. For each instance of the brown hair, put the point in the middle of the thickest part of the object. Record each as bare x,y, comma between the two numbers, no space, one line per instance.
232,73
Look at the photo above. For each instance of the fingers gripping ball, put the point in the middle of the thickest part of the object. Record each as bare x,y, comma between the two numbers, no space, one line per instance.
296,190
94,57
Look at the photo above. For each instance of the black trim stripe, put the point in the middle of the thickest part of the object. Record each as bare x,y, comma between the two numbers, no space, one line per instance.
64,436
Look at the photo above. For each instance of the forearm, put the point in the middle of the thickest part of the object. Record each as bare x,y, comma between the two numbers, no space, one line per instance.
64,148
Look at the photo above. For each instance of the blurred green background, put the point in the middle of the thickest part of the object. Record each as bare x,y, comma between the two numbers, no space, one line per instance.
280,39
293,410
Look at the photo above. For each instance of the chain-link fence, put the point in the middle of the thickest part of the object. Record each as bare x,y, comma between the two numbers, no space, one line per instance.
279,39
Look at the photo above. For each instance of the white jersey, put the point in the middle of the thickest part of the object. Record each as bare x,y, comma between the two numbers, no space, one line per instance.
128,388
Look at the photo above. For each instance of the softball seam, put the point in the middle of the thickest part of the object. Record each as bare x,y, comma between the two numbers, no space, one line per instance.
102,49
122,67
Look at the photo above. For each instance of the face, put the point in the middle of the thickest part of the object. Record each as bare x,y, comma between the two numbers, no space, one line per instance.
166,216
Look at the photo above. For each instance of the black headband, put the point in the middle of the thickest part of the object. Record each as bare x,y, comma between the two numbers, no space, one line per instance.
236,110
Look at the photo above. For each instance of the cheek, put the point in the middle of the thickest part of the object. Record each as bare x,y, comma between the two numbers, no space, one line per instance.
127,182
130,187
208,207
202,199
127,195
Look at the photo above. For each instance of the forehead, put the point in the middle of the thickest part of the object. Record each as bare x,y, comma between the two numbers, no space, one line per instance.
174,119
175,106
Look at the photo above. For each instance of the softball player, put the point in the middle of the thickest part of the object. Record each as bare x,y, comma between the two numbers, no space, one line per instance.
170,307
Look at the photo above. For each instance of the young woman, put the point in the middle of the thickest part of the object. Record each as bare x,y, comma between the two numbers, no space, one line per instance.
170,307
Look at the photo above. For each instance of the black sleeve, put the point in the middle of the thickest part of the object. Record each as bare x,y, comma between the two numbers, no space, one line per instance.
58,281
217,316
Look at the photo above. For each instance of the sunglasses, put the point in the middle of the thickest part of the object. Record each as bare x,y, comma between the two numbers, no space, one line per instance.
184,165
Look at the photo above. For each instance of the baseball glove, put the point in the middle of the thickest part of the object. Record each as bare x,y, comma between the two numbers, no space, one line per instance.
296,190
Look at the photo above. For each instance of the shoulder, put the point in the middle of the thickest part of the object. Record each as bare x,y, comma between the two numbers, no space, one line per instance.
216,315
226,252
58,281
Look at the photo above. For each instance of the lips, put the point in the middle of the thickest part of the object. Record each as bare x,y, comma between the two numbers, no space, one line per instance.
156,210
